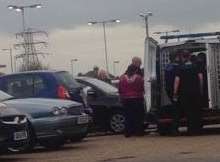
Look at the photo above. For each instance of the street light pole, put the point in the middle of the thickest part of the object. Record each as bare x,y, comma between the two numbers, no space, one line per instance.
105,38
106,51
22,10
114,66
11,58
23,20
72,62
145,16
24,34
146,26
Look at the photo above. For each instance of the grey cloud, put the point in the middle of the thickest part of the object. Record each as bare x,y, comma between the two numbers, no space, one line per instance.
69,13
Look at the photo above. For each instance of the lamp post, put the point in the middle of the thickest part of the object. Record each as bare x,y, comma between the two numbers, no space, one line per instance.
114,66
11,58
25,35
167,32
22,10
105,40
72,62
145,16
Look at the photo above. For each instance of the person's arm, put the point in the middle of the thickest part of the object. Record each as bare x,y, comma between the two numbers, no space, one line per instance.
201,82
141,82
176,87
119,86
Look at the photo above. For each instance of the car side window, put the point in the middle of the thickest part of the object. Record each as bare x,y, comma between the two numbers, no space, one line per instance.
20,86
39,85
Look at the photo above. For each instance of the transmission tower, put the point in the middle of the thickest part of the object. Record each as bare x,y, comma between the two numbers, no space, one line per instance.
31,49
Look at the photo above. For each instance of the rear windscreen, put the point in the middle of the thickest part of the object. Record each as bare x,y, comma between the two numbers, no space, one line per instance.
67,80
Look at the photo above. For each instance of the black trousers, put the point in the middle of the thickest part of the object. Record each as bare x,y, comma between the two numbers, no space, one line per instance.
190,107
134,116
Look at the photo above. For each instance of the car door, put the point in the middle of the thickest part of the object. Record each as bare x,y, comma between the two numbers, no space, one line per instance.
98,101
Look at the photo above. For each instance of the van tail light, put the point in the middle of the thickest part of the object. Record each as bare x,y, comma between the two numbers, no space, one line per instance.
63,92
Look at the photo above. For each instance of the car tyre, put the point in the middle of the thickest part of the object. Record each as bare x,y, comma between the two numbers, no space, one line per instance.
79,137
117,122
53,144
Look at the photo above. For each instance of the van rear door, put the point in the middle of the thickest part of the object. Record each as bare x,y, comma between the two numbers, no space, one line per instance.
213,72
150,72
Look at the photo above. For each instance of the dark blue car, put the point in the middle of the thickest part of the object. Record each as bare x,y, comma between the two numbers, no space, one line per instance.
41,84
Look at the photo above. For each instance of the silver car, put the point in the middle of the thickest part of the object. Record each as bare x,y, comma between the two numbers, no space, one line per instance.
51,121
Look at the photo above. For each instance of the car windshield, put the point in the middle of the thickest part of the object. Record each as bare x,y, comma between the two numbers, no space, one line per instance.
4,96
108,88
67,80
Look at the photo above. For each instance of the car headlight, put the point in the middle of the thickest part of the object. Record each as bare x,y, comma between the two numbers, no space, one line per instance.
63,110
3,106
14,120
24,120
56,111
59,111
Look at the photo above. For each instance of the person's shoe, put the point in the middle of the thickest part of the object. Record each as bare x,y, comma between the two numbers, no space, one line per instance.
140,134
175,132
127,135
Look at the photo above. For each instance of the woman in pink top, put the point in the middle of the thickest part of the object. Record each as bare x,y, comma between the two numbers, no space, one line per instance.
131,90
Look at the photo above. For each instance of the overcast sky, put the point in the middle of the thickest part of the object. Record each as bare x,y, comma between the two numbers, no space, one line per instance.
70,37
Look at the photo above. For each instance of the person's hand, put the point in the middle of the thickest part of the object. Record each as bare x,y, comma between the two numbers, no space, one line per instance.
175,98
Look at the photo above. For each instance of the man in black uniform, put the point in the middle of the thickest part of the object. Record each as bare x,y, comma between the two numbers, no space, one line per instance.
188,89
170,73
201,64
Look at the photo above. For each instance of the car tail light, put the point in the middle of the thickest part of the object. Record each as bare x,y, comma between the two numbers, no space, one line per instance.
63,92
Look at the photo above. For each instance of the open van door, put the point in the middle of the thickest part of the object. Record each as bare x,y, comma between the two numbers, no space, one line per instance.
150,72
213,71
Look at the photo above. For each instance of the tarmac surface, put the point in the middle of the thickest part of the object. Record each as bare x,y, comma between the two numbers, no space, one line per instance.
117,148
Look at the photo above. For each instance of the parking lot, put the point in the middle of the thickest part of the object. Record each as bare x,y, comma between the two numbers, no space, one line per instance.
116,148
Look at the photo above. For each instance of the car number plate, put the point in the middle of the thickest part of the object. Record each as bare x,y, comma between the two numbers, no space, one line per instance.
83,119
20,135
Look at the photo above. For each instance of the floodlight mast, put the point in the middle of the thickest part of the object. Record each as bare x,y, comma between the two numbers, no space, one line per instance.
22,10
105,39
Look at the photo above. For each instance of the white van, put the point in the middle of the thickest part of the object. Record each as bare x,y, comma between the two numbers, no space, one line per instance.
156,59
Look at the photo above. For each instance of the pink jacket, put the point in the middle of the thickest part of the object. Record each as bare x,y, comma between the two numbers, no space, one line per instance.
132,87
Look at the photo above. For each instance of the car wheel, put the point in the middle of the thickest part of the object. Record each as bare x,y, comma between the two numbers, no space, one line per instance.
117,122
27,146
53,144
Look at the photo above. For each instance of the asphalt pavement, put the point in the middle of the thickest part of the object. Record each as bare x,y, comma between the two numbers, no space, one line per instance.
117,148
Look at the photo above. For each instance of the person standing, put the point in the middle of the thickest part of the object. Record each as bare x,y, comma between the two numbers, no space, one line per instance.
136,61
202,65
188,89
170,73
131,90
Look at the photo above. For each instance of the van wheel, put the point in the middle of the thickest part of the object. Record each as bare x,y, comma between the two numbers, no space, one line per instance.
117,122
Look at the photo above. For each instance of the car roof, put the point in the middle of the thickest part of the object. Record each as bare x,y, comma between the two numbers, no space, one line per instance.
33,72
